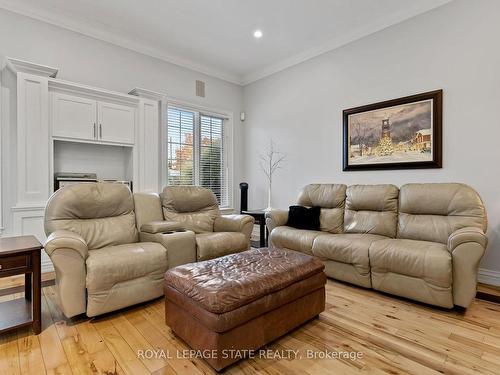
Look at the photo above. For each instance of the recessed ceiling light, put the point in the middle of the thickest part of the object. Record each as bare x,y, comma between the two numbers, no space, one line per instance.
257,34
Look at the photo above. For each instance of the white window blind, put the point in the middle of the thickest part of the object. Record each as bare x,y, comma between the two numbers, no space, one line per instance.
196,151
181,158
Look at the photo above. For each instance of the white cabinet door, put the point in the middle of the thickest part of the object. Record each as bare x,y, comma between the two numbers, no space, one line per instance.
74,117
116,123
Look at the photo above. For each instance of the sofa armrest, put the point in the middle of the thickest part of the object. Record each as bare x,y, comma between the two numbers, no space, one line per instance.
276,218
68,252
468,234
467,247
181,246
235,223
154,227
65,239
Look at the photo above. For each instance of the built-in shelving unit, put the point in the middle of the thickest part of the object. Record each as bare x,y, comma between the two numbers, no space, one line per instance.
50,125
108,162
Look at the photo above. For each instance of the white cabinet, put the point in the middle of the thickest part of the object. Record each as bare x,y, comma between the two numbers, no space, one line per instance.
74,117
80,118
116,122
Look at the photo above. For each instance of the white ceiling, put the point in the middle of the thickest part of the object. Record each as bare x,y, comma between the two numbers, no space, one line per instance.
215,36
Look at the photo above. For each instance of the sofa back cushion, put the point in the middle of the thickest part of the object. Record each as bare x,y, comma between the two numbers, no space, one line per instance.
371,209
331,198
431,212
101,213
194,206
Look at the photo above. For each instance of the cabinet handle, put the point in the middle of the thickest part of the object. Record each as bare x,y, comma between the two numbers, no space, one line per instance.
0,266
95,133
100,130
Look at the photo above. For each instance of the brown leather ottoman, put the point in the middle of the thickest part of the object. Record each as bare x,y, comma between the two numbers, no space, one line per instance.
238,303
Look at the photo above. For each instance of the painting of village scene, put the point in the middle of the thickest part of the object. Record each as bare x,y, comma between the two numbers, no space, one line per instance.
391,135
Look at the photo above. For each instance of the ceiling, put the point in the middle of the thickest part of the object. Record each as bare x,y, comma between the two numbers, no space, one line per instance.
215,37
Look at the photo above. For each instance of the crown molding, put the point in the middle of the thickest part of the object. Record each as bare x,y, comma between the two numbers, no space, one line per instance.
363,31
21,66
145,93
71,87
59,19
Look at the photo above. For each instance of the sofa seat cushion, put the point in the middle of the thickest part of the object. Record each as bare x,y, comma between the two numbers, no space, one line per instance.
430,261
123,275
294,239
217,244
351,248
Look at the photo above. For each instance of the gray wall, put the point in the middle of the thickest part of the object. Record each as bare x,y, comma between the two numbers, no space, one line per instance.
89,61
454,47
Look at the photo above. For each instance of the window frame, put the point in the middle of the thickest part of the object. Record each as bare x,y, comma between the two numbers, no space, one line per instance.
226,115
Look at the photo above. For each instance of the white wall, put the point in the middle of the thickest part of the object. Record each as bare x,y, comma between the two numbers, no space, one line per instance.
89,61
454,47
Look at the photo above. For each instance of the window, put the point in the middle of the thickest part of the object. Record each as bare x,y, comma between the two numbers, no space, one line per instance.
196,151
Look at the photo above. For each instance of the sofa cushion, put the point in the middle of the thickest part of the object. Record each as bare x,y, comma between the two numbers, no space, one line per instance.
294,239
331,220
217,244
348,248
109,265
330,197
432,212
301,217
102,214
371,209
123,275
194,206
425,260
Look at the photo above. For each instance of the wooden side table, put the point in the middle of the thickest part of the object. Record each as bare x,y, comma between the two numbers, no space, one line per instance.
21,255
260,218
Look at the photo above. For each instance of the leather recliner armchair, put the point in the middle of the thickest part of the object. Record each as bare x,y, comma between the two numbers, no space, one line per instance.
208,234
101,264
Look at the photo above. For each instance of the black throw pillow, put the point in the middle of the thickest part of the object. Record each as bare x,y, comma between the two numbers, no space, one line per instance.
303,218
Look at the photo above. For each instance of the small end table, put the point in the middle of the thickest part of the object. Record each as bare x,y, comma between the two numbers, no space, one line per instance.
260,219
21,255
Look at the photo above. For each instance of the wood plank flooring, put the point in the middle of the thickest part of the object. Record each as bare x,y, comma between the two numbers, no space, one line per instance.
394,336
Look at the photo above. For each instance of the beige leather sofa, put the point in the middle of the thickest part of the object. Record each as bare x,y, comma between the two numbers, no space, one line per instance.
111,250
422,241
195,209
101,264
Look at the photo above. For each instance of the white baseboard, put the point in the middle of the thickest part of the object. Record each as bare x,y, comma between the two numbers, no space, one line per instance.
490,277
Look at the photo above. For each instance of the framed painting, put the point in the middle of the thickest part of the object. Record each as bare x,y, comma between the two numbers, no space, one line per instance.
402,133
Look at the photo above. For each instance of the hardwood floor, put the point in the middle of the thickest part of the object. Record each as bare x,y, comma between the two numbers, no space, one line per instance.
395,336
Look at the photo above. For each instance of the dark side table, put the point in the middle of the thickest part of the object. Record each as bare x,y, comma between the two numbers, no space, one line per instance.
260,219
18,256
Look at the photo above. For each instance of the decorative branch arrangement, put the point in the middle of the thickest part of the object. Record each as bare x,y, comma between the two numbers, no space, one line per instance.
271,161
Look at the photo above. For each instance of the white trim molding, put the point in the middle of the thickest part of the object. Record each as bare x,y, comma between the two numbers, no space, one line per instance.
490,277
21,66
145,93
60,19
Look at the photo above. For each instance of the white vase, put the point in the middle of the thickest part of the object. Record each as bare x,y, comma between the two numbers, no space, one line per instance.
269,208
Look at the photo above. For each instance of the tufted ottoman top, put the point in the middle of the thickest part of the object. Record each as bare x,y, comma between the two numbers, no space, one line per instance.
224,284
